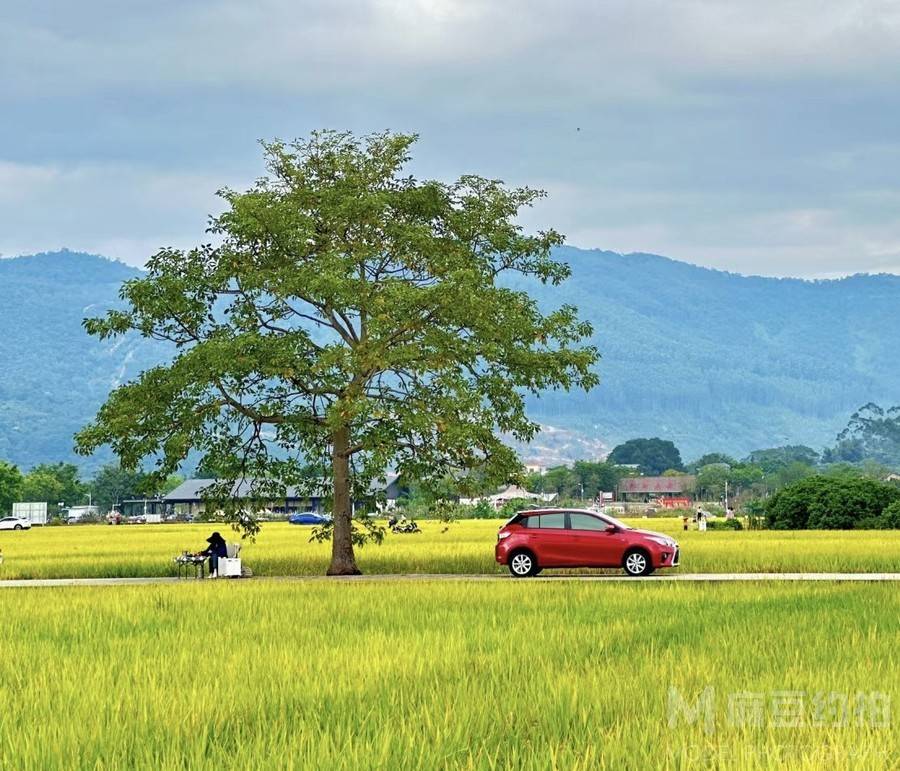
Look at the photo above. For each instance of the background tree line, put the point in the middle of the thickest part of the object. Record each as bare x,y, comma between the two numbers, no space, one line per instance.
56,483
869,448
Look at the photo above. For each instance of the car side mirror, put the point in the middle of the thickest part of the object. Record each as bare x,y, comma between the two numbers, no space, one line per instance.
612,529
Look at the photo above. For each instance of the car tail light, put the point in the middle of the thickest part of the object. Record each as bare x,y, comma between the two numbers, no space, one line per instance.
503,534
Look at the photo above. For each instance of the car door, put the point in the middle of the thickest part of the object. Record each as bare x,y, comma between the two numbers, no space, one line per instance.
6,524
548,538
592,544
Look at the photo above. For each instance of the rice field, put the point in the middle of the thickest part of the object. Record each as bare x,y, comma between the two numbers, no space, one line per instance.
80,551
449,675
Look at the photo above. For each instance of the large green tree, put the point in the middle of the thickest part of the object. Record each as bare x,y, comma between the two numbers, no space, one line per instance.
652,456
773,459
715,479
54,483
113,484
873,433
830,503
584,480
711,458
10,486
350,315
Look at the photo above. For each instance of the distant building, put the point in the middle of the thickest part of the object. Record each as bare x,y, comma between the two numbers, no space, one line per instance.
187,498
77,513
668,491
153,510
394,489
511,493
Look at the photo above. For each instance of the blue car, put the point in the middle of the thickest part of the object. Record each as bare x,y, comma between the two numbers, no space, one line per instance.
308,518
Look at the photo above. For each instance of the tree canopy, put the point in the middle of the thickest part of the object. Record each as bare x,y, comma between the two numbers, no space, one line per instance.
350,316
54,483
653,456
831,503
709,459
774,459
584,480
113,484
872,433
10,486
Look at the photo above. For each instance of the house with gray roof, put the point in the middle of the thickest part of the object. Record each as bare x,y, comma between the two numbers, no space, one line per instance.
188,497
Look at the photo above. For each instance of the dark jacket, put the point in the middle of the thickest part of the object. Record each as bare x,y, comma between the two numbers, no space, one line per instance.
217,546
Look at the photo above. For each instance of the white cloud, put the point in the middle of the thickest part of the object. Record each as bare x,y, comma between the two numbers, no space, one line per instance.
757,135
308,46
737,233
120,211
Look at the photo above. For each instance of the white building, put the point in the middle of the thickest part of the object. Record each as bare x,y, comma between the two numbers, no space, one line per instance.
511,493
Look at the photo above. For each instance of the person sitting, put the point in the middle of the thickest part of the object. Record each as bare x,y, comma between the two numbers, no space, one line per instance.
216,550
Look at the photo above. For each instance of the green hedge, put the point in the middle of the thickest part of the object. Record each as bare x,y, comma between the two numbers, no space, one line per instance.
834,503
724,524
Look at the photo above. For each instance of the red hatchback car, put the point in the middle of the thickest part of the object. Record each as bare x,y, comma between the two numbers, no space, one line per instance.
563,538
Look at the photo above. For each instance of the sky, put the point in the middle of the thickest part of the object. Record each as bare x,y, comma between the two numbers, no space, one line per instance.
758,136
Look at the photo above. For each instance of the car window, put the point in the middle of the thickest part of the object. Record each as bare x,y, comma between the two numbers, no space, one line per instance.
587,522
555,521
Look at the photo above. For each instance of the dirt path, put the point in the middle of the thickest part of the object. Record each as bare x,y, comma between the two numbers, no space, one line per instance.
691,577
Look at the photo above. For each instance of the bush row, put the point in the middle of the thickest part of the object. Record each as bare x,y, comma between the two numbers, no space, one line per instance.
834,503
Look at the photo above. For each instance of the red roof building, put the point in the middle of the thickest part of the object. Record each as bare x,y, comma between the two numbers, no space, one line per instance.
647,488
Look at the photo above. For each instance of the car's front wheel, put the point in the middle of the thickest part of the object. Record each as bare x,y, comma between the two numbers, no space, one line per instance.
637,563
522,564
17,527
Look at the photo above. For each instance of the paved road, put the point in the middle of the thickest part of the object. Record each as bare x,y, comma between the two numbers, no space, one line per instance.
690,577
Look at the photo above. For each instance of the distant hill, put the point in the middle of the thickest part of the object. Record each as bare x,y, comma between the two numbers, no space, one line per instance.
711,360
53,377
719,361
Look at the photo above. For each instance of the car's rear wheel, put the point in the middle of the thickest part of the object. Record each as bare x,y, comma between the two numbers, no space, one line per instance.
637,563
17,527
522,564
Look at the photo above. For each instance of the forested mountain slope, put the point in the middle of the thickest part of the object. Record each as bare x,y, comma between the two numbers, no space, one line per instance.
53,377
714,360
711,360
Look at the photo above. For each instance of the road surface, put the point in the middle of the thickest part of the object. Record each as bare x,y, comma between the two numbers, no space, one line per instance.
679,577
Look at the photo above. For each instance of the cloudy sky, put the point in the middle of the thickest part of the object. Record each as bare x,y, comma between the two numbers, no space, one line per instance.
761,136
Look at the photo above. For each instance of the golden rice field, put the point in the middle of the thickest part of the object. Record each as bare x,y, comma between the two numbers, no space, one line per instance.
450,675
462,547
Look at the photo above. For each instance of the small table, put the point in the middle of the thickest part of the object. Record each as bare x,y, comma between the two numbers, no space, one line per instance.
189,564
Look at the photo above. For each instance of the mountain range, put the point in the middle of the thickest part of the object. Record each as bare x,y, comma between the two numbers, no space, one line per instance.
709,359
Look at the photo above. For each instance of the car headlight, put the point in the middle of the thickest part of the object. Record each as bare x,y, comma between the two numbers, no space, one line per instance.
662,541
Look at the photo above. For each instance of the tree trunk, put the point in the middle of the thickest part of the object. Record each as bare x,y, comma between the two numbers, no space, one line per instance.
343,561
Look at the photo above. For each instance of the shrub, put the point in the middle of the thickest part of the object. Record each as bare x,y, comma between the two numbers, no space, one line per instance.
755,509
889,519
689,513
511,508
483,510
724,524
829,503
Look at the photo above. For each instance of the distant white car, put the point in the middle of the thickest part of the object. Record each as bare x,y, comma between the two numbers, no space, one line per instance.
14,523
